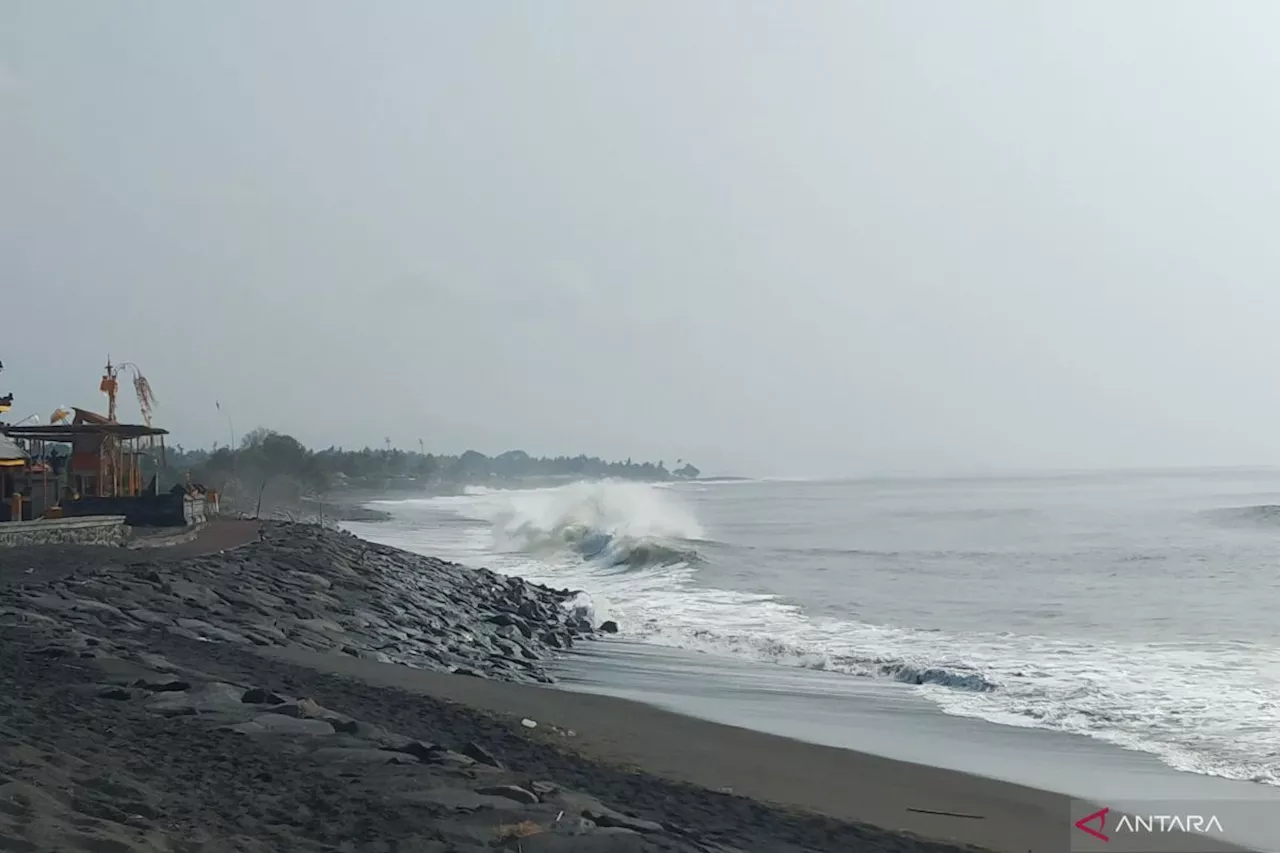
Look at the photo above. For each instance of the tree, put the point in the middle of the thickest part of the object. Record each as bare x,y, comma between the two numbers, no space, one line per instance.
276,467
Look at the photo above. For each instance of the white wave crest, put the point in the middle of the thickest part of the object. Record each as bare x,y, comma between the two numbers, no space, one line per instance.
609,522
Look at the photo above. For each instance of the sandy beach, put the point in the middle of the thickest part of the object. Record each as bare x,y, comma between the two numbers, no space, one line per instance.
837,783
234,700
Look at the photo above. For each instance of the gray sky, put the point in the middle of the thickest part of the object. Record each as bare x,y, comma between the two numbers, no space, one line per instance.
818,237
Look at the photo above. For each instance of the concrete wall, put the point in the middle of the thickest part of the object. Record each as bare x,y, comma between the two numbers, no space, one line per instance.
163,510
44,494
194,510
95,530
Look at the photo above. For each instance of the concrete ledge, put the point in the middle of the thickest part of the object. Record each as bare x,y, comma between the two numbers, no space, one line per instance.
87,530
152,539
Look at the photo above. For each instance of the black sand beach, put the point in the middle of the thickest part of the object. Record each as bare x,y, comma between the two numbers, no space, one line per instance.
307,690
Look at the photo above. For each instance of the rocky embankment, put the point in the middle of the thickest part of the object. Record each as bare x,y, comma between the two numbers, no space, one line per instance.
324,590
110,746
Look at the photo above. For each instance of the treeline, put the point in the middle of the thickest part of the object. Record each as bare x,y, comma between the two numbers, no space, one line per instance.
265,455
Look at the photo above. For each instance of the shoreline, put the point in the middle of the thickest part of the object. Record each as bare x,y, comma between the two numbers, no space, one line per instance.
880,717
889,721
1128,756
320,659
1074,767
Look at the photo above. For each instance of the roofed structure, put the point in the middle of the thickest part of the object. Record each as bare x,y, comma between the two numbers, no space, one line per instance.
11,455
69,432
105,455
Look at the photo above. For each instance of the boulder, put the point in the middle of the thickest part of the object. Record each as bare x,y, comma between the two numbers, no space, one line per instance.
511,792
207,698
479,754
355,755
261,696
458,799
278,724
607,817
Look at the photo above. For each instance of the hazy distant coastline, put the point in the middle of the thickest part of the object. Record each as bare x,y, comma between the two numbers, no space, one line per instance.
274,472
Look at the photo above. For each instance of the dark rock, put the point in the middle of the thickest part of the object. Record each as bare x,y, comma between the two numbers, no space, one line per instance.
208,698
456,760
573,826
516,622
168,685
348,755
531,611
478,753
193,593
120,693
183,632
611,818
595,811
158,663
303,709
609,627
282,725
149,617
365,731
511,792
261,696
420,749
457,799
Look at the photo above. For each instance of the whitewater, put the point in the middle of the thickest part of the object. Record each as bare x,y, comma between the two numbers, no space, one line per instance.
1136,609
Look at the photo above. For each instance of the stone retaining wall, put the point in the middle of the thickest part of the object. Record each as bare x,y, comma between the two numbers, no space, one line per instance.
91,530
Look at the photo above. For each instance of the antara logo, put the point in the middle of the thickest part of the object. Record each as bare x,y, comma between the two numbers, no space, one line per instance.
1101,817
1147,823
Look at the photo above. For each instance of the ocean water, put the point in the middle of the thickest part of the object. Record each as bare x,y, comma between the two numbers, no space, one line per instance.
1136,609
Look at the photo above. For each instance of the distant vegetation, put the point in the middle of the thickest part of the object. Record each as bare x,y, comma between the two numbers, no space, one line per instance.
268,460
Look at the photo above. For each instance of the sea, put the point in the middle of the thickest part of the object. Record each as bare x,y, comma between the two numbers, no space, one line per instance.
1134,612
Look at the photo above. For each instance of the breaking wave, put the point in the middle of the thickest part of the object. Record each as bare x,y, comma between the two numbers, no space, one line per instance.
635,547
612,524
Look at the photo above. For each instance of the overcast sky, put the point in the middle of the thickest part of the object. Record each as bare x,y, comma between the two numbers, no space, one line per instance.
777,238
